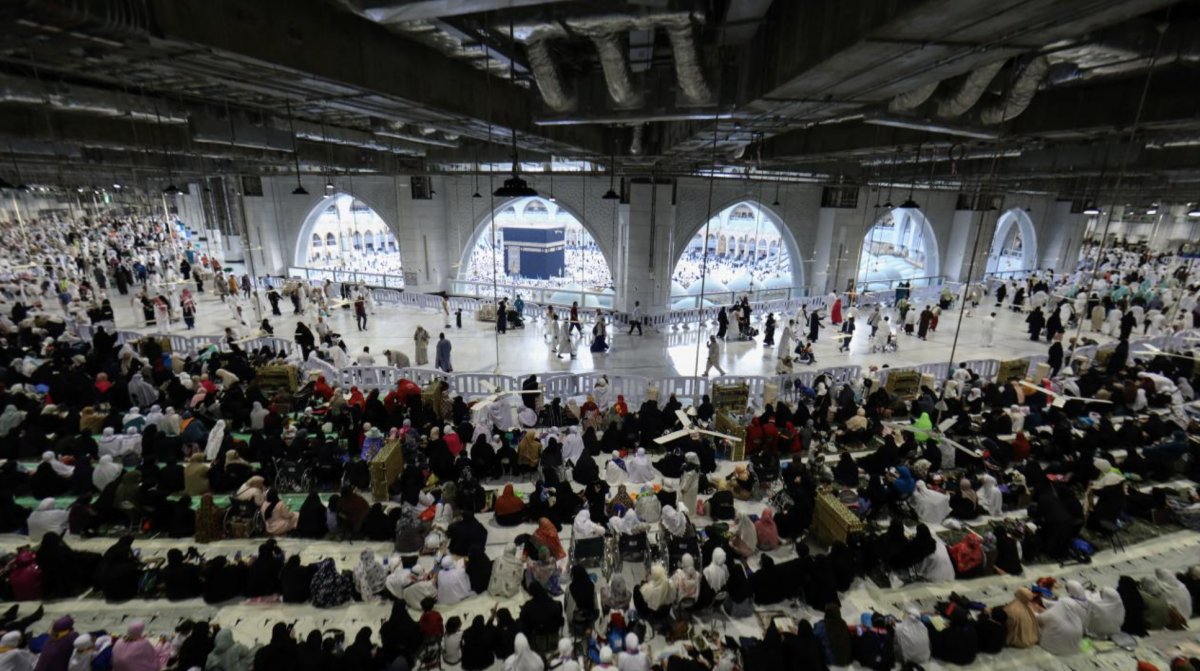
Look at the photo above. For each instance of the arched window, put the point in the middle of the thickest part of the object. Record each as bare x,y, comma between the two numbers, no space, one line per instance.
737,261
534,243
339,224
899,247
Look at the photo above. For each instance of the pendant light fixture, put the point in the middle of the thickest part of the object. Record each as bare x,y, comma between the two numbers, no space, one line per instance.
612,170
909,203
887,204
171,189
299,190
775,203
514,187
552,198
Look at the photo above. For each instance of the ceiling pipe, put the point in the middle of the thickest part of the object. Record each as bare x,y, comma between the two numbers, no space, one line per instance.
1018,96
636,147
910,100
957,102
86,100
687,59
605,33
545,70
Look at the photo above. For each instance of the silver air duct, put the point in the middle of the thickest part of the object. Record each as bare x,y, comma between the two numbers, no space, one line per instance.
913,99
605,33
545,70
1019,95
687,59
957,102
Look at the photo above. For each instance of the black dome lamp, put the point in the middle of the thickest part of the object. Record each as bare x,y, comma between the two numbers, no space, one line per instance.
775,203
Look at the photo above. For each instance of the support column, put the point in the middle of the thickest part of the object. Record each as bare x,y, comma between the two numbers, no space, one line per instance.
645,234
817,272
1060,249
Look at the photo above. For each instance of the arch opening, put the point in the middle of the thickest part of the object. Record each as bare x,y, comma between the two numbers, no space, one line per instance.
1014,245
540,249
750,252
901,246
344,235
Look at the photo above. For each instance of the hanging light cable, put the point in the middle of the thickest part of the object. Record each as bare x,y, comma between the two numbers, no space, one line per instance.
514,187
299,190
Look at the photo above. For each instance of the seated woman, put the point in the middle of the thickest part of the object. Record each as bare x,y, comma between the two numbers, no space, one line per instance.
615,595
546,537
509,508
686,580
584,527
541,615
253,490
964,504
654,598
279,519
676,523
931,507
453,583
581,605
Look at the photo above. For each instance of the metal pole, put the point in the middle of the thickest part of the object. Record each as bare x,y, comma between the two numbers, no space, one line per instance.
249,256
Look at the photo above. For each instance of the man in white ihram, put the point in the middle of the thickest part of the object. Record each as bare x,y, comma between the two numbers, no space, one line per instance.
989,329
714,356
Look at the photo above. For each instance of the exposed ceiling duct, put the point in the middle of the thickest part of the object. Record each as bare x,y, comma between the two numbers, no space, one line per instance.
605,33
913,99
1018,96
545,70
687,59
957,102
350,137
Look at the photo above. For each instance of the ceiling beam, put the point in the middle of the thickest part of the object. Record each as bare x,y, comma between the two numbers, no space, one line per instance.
313,42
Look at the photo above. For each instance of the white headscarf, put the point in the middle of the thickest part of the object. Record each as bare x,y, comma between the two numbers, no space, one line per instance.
105,472
453,583
59,467
675,521
1175,592
716,573
369,575
1062,627
215,437
584,526
47,519
657,590
627,525
746,532
572,446
1106,614
640,468
686,579
990,497
931,507
523,659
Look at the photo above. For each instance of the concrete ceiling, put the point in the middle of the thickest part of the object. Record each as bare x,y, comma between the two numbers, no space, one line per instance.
951,93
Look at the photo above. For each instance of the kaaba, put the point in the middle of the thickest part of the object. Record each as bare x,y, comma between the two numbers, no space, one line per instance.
536,253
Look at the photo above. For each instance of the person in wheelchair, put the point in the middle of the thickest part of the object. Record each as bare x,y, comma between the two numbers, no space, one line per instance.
805,354
515,320
676,523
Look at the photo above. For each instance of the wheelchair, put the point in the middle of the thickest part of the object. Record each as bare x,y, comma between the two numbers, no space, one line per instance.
674,547
590,553
291,477
243,519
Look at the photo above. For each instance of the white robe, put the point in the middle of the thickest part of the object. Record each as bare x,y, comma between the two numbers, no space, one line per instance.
931,507
45,520
105,472
1062,626
453,585
215,437
640,468
1106,614
572,447
937,567
990,496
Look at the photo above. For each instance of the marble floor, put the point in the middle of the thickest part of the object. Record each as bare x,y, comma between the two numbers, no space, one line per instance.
478,348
